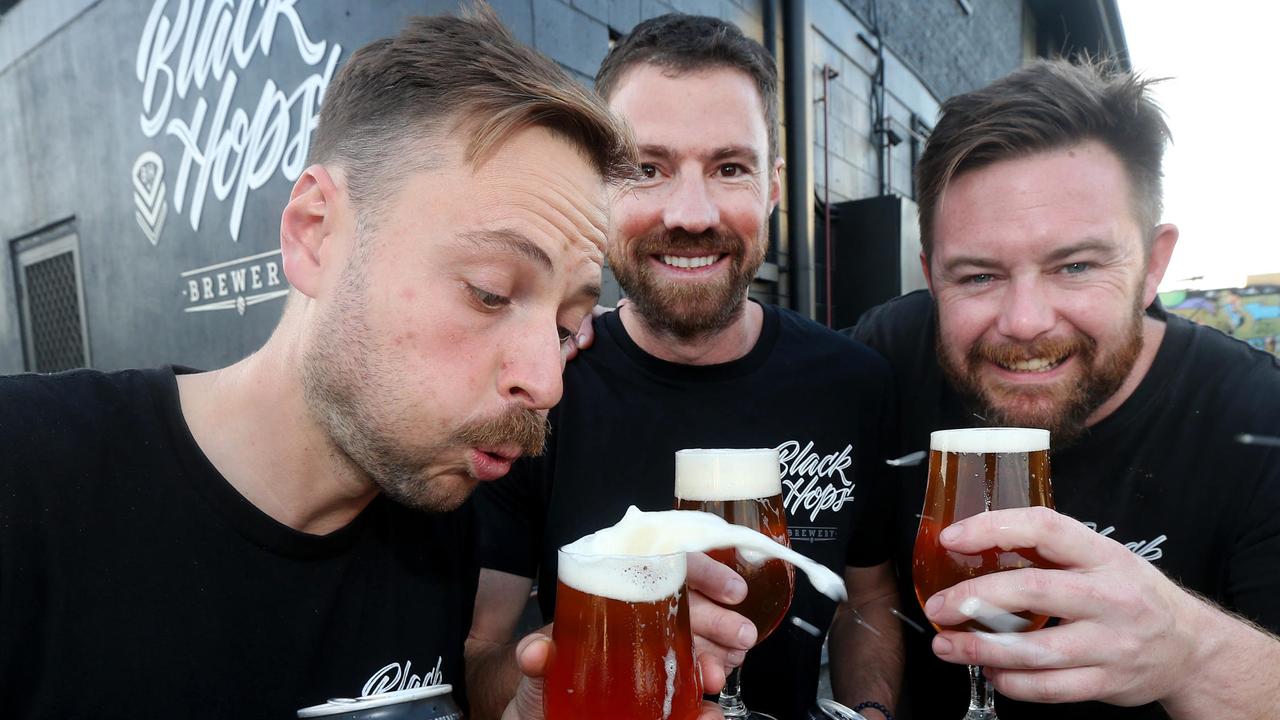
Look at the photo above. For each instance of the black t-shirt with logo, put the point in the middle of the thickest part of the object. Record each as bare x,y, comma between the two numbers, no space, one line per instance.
818,397
136,582
1164,475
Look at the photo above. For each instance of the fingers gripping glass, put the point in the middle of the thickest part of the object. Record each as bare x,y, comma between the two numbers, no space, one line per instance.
970,472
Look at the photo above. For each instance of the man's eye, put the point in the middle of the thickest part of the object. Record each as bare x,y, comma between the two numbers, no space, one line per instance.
648,171
978,279
732,170
565,334
492,301
1075,268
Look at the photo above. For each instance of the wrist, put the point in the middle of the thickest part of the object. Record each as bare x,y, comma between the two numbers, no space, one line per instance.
1230,672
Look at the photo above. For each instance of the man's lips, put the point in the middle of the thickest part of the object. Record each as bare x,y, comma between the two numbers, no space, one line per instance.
1030,369
492,463
688,264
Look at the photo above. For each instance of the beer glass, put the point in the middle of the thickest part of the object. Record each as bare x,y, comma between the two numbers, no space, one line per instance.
743,487
970,472
623,648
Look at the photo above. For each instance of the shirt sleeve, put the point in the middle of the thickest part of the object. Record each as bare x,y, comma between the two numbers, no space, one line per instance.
1253,575
510,514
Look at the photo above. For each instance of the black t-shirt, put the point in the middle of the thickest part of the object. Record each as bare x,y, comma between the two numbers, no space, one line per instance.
136,582
1163,474
819,398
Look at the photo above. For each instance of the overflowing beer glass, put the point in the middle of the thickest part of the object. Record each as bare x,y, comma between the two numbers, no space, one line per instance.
970,472
745,488
623,646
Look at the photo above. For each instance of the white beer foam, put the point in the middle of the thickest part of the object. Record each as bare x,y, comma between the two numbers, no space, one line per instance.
989,440
711,475
671,531
635,579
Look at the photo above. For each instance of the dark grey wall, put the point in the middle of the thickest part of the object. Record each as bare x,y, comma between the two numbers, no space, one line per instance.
952,51
72,112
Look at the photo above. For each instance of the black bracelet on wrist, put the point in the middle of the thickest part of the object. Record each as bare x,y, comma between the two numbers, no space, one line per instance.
874,706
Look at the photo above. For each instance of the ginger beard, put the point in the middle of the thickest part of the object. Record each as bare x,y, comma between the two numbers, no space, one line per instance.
357,396
686,310
1062,407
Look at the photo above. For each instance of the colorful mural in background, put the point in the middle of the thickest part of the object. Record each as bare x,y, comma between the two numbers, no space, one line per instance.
1250,313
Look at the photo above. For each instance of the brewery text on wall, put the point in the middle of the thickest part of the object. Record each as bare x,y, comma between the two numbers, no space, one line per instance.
234,284
222,115
193,50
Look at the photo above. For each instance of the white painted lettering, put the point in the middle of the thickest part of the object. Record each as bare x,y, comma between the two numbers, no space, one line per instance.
237,280
273,274
236,153
255,273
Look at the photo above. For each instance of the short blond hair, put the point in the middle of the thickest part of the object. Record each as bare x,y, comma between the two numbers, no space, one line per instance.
447,75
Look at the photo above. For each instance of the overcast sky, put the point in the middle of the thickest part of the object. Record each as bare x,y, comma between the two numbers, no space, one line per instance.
1223,61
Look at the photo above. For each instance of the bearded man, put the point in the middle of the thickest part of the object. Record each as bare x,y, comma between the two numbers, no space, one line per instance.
1040,220
245,542
691,362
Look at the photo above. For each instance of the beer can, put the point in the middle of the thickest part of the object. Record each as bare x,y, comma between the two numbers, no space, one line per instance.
433,702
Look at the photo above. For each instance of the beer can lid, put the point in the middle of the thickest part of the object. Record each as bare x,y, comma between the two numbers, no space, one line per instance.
337,706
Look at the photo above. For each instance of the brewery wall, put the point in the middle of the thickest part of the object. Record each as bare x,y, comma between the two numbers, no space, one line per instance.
163,174
141,182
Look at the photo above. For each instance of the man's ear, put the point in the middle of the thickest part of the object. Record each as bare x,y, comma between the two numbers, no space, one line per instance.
307,223
1166,237
775,184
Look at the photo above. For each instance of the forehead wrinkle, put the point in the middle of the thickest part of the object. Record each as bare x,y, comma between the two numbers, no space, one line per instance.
568,218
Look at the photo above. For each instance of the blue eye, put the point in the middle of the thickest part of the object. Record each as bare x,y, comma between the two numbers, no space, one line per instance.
979,279
1075,268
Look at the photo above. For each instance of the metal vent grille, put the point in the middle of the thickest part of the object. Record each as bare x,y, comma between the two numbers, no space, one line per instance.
57,339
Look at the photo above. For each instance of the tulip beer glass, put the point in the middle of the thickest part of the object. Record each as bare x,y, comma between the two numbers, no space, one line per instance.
743,487
622,644
970,472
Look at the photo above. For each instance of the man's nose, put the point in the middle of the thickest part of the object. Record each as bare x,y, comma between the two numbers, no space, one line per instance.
531,372
690,206
1026,310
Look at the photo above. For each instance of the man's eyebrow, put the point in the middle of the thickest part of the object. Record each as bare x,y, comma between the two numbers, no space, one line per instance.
590,291
1058,255
509,242
661,152
1091,244
736,151
971,261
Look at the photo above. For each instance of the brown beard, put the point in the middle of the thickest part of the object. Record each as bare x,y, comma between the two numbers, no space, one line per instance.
349,388
686,311
1062,410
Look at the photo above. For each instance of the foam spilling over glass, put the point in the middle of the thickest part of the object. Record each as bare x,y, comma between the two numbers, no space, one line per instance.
598,563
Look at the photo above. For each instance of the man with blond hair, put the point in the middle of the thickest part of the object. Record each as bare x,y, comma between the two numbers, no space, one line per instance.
252,540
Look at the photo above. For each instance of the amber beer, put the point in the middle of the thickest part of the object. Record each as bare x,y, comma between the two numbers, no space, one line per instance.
973,471
623,647
745,488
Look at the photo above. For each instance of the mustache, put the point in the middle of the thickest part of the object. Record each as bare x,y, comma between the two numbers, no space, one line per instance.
522,427
711,241
1052,348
